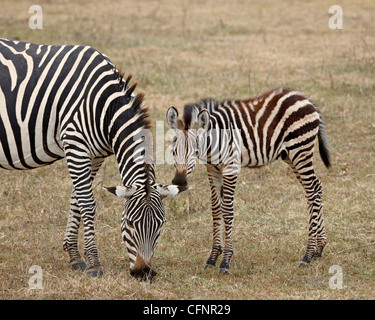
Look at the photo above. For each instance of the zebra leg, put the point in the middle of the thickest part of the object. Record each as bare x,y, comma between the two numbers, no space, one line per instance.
70,243
317,237
91,251
303,168
229,183
87,204
321,233
321,239
216,181
80,166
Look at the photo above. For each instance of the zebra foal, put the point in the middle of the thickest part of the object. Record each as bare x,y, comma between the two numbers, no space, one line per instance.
231,134
71,101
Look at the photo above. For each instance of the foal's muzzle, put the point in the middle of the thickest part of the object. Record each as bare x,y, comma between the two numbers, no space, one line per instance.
180,179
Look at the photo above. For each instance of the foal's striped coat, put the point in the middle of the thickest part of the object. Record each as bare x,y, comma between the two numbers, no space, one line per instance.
231,134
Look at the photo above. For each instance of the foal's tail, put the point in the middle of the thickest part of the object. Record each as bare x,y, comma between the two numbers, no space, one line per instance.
323,143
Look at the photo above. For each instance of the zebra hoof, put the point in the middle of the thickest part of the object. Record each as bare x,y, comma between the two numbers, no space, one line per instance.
303,264
95,273
209,266
82,266
317,256
224,267
223,270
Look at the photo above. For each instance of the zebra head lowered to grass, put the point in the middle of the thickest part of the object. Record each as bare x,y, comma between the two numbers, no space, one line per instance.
230,134
141,222
71,101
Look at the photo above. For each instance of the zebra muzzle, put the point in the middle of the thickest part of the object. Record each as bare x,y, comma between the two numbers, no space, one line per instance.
180,179
142,270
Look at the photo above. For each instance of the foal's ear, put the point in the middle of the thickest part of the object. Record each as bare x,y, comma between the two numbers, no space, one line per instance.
172,118
203,121
121,191
169,191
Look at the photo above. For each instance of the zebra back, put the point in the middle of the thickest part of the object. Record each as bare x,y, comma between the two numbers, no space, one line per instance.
267,122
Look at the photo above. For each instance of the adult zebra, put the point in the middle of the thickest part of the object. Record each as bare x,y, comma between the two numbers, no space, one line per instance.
231,134
71,101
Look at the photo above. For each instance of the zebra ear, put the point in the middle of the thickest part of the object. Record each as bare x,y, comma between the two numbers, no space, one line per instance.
172,118
169,191
203,121
121,191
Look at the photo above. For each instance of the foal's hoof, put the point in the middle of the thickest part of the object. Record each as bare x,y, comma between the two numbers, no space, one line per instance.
94,273
209,266
303,264
317,256
223,270
82,266
224,267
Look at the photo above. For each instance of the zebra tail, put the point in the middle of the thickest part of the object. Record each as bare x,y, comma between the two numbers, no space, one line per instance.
323,143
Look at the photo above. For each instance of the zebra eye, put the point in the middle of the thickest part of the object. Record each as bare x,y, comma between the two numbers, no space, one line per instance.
130,224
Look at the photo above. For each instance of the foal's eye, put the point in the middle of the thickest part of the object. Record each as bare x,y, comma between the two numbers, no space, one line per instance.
174,139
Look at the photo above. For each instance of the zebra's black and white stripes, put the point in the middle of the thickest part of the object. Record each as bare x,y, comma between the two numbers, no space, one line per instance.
231,134
71,101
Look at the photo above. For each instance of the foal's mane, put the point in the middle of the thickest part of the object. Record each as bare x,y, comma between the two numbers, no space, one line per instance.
191,110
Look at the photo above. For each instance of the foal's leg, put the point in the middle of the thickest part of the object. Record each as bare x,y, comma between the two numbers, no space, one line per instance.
303,168
216,183
229,184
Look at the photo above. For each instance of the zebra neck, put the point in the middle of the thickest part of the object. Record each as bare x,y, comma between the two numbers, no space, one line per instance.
133,152
136,173
219,144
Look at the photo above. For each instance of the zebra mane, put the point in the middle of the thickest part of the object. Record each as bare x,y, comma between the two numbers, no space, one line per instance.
120,74
150,177
141,120
143,112
191,110
144,122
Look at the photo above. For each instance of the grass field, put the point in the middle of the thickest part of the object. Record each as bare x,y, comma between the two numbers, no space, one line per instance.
181,51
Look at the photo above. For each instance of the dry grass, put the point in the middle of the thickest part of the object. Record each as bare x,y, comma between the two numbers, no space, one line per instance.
180,51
